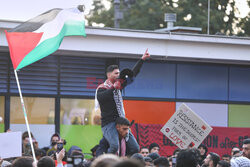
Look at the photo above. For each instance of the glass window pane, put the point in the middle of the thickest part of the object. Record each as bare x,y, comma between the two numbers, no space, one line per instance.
79,112
2,101
39,110
80,124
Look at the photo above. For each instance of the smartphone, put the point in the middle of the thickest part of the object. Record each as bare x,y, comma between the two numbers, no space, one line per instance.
59,147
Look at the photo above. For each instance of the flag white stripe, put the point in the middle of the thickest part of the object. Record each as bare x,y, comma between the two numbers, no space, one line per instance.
53,28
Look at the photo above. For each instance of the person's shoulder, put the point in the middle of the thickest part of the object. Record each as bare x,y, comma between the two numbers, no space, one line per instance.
102,86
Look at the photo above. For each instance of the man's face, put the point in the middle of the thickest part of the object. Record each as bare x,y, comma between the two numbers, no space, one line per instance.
227,159
155,150
208,161
122,130
246,150
144,152
113,75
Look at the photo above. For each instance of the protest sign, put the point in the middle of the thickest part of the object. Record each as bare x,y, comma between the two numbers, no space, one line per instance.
10,144
185,128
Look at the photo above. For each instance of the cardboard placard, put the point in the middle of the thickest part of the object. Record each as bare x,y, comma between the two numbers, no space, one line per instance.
185,128
10,144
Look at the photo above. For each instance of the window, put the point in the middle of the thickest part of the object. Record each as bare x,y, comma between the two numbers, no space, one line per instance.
39,110
79,112
80,124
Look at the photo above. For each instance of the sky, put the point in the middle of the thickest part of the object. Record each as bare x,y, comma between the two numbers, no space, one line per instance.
22,10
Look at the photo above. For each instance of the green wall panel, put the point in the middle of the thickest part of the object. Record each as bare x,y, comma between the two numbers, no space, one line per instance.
1,128
83,136
239,115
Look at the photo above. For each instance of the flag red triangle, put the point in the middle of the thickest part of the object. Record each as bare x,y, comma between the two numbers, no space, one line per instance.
20,44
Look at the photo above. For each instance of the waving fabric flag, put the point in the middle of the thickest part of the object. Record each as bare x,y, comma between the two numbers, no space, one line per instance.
42,35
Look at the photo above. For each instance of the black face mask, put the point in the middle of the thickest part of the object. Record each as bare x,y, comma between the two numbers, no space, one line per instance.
53,143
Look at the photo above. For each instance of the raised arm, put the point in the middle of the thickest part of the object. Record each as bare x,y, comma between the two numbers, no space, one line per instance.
138,65
59,158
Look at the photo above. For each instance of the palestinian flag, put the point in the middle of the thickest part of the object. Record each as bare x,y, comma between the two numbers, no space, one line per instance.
42,35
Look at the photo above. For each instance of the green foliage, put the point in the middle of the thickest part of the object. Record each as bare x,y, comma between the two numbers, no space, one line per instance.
149,15
198,11
244,24
101,15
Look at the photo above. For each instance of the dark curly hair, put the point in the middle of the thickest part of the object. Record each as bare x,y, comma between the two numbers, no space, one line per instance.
187,158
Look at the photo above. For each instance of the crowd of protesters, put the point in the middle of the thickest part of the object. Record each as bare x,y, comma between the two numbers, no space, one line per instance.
118,147
53,156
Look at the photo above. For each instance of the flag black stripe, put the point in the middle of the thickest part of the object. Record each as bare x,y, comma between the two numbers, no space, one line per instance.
36,22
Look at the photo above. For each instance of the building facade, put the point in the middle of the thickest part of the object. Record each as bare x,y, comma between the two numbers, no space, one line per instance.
211,74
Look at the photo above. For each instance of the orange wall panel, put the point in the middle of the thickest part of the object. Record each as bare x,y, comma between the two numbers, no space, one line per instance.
149,112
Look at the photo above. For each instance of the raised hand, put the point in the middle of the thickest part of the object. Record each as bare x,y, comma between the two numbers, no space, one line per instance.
60,156
146,55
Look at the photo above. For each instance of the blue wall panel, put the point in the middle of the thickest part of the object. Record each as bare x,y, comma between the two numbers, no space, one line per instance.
202,82
155,80
81,75
239,84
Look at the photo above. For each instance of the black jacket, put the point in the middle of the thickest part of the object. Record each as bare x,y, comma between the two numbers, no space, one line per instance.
110,99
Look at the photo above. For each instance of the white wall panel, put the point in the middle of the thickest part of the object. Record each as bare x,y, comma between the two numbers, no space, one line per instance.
165,46
213,114
41,132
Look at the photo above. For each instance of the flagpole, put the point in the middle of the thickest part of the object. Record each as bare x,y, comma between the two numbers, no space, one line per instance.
25,116
208,16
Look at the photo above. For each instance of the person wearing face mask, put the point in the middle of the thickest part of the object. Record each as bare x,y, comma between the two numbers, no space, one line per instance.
53,141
